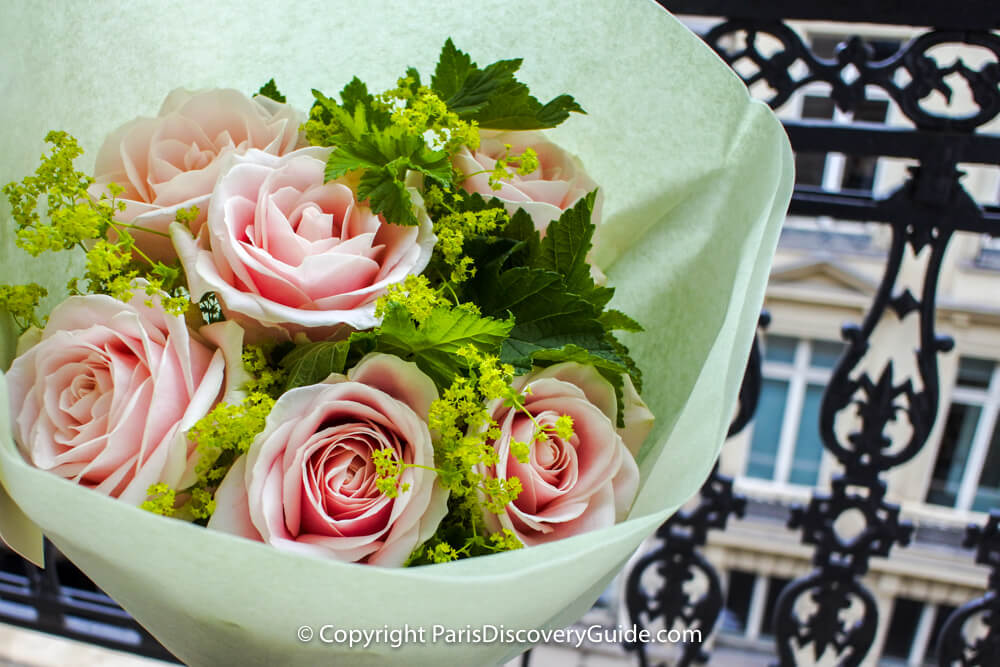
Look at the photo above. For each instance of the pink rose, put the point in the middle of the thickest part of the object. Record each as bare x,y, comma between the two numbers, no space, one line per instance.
286,253
172,161
308,483
558,183
105,396
569,486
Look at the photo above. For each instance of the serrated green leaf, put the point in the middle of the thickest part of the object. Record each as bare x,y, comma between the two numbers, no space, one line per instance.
566,244
345,158
270,90
314,362
514,108
522,228
616,320
492,96
481,86
453,68
433,345
345,125
387,195
355,93
558,109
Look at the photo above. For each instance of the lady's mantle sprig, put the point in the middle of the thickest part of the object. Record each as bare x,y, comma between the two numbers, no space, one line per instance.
76,220
221,437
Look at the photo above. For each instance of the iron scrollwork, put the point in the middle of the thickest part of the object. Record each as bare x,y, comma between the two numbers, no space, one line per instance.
855,66
891,403
957,645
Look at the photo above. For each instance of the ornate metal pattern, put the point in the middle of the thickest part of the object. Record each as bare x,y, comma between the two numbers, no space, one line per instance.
923,215
678,560
855,66
954,647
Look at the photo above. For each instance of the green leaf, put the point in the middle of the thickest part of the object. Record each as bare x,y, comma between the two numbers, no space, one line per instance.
357,155
556,110
270,89
566,244
514,108
434,344
453,68
528,340
314,362
522,228
391,149
483,85
617,320
355,93
611,370
387,195
564,250
346,126
492,96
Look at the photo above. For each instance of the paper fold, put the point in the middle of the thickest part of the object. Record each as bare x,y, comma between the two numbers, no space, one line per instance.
696,178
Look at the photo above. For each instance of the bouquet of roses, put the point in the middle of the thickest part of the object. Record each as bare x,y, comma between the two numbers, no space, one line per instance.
377,339
380,331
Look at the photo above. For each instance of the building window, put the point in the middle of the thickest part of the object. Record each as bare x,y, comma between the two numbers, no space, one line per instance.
967,470
833,171
836,171
912,635
785,445
750,604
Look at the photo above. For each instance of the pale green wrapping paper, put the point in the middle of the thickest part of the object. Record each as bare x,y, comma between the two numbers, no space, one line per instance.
697,178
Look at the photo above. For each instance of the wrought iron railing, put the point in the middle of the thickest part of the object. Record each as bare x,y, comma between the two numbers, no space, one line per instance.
924,212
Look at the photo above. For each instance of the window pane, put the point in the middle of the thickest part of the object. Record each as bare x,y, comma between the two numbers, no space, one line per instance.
975,373
767,429
825,46
774,587
859,173
825,353
871,111
734,616
808,445
956,441
780,348
943,612
904,619
809,168
817,107
988,494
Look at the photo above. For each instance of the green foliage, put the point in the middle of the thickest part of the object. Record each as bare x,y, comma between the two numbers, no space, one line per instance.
546,285
76,220
435,344
314,362
270,89
492,96
417,128
21,301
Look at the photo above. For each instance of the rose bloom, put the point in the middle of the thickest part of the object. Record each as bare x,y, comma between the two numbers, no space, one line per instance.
286,253
558,183
569,486
172,161
105,395
308,483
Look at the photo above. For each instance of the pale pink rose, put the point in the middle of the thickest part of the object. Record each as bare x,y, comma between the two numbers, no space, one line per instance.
569,486
308,483
558,183
286,253
106,394
172,161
